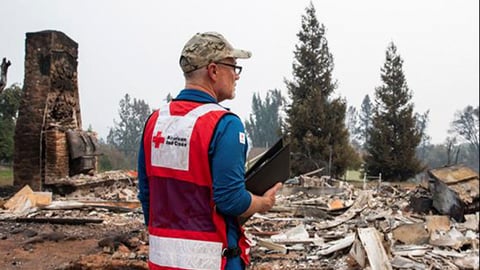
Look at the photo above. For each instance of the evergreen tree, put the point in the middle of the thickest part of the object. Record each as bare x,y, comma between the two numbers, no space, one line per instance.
264,125
365,118
9,104
316,121
393,137
126,134
353,126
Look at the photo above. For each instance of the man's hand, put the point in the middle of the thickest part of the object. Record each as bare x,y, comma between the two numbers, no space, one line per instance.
269,197
262,203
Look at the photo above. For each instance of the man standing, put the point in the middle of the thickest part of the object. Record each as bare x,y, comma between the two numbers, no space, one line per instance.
191,166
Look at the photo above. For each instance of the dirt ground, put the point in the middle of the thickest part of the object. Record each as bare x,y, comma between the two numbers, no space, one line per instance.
117,241
53,246
17,252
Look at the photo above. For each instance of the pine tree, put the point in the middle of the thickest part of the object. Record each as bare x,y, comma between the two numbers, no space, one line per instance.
316,122
365,118
393,137
264,124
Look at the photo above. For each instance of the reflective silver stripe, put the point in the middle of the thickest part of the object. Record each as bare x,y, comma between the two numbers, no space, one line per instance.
199,111
203,109
184,253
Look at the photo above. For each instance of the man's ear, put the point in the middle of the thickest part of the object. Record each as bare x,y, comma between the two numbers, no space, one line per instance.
212,71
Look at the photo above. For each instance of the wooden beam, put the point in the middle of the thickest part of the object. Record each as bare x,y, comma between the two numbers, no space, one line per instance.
63,221
377,257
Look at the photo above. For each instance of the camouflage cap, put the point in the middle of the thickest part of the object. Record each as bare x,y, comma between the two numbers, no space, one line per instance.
205,48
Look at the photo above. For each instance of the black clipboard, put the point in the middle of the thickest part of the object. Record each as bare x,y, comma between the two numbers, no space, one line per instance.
271,168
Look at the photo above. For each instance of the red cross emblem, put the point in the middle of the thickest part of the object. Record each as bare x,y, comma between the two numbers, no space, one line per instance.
158,139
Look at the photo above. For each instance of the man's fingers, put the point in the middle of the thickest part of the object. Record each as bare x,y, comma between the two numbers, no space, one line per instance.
274,189
277,186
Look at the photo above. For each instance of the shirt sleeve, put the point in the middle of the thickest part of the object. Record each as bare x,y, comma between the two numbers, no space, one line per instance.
143,189
227,153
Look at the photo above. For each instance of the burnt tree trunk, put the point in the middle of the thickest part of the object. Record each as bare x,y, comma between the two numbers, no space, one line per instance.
3,73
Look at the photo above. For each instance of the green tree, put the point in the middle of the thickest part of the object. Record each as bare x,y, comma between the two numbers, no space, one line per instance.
315,120
264,125
365,120
393,137
9,104
126,134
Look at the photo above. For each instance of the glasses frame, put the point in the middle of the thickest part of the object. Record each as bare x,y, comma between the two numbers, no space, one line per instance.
236,69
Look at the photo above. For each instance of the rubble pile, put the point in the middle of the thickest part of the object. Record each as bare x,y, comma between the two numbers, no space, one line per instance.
331,224
317,223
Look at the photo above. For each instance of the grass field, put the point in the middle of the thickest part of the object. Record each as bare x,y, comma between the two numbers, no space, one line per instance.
6,176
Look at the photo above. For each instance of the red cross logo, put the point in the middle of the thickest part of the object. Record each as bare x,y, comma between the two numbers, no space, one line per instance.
158,139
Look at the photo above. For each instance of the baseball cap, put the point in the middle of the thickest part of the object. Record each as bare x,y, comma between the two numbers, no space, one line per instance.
205,48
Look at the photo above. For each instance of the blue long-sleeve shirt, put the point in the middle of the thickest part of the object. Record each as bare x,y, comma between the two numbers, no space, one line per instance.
227,153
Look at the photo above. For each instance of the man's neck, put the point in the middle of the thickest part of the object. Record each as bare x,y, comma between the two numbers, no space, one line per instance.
201,87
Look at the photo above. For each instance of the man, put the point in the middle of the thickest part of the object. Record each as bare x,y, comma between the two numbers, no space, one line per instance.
191,166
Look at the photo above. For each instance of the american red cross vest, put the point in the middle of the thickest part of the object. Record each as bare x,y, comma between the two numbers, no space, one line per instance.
185,230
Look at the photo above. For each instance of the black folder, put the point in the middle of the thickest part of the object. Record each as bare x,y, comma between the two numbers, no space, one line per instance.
272,167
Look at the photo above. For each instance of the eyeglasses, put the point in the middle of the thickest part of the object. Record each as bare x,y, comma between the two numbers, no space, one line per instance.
237,69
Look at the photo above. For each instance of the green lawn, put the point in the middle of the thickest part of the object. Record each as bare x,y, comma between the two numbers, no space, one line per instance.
6,176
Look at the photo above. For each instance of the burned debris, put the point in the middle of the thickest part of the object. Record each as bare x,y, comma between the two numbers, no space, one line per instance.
375,229
320,223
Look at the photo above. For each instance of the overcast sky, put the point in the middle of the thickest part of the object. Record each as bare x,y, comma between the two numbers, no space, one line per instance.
133,47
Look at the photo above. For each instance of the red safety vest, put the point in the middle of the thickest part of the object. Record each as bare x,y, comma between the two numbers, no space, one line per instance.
185,230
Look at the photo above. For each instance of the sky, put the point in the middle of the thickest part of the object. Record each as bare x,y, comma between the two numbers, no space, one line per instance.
133,47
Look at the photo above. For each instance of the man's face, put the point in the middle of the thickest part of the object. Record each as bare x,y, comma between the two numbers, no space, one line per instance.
227,78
